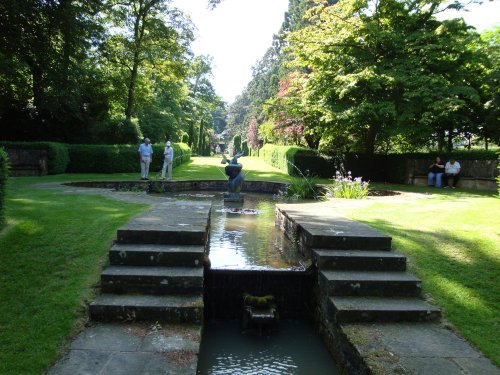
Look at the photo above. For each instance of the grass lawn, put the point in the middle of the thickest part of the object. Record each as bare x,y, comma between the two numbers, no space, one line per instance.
53,249
452,239
51,254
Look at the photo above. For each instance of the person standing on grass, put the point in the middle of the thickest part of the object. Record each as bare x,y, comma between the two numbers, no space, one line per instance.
436,172
145,158
167,163
452,173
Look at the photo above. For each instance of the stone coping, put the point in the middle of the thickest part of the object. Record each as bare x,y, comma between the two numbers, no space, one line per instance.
161,186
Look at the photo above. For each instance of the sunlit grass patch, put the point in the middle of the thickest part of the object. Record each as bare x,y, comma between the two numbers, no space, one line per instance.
51,254
453,244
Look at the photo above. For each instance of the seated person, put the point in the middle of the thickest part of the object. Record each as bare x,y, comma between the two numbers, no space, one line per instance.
452,173
436,171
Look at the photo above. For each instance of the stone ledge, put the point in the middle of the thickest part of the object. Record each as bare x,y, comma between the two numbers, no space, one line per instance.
479,183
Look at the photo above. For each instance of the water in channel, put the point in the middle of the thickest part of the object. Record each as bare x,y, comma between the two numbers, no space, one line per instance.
244,235
293,350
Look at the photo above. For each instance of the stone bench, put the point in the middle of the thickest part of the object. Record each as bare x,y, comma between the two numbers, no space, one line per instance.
27,162
479,183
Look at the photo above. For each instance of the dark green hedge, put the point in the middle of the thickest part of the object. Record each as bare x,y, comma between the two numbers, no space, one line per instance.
382,168
298,160
119,158
57,153
4,173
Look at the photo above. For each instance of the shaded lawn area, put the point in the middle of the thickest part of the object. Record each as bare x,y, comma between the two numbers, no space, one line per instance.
452,239
51,254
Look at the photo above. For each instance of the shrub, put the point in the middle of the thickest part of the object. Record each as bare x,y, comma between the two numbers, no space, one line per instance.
237,144
346,187
4,173
244,148
301,188
116,131
295,161
57,153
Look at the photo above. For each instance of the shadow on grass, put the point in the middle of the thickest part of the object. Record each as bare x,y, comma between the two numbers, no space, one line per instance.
468,262
461,272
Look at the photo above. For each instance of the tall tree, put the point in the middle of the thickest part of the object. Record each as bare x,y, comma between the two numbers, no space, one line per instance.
44,48
149,31
379,69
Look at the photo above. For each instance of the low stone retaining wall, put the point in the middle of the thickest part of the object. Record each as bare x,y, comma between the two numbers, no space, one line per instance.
27,162
155,186
224,291
474,174
478,183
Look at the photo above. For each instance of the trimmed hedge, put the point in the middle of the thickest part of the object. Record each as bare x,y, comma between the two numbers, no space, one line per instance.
4,174
382,168
119,158
57,153
295,160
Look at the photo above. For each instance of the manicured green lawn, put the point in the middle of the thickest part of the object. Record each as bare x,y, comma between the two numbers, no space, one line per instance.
452,239
52,252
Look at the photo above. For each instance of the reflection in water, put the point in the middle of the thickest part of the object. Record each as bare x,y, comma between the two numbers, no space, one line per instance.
295,349
244,236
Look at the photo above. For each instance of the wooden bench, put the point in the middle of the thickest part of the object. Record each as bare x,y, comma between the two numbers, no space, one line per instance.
480,183
25,162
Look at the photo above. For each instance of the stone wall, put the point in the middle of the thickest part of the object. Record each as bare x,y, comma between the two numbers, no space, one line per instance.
469,168
158,186
25,162
224,291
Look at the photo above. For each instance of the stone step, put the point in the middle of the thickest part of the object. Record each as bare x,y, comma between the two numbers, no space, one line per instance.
152,280
373,309
369,283
186,236
359,260
178,223
156,255
171,309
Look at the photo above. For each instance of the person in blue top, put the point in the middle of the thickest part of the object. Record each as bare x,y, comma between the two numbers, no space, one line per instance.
145,158
436,172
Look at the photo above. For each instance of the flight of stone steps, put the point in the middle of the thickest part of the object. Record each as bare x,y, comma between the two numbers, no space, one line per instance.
364,281
156,267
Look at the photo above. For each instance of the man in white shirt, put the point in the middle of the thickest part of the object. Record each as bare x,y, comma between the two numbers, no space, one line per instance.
167,163
145,157
452,173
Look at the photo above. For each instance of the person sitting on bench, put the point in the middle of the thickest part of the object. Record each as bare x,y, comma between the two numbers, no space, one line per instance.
452,173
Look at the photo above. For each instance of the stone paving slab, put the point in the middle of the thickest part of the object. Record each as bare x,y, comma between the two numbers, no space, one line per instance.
178,222
323,228
416,348
132,349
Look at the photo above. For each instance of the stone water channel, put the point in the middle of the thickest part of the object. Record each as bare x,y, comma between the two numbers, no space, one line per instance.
345,280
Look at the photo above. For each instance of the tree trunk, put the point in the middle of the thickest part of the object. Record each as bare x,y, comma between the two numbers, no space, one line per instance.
200,139
131,89
65,8
370,139
191,134
139,27
449,146
38,91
